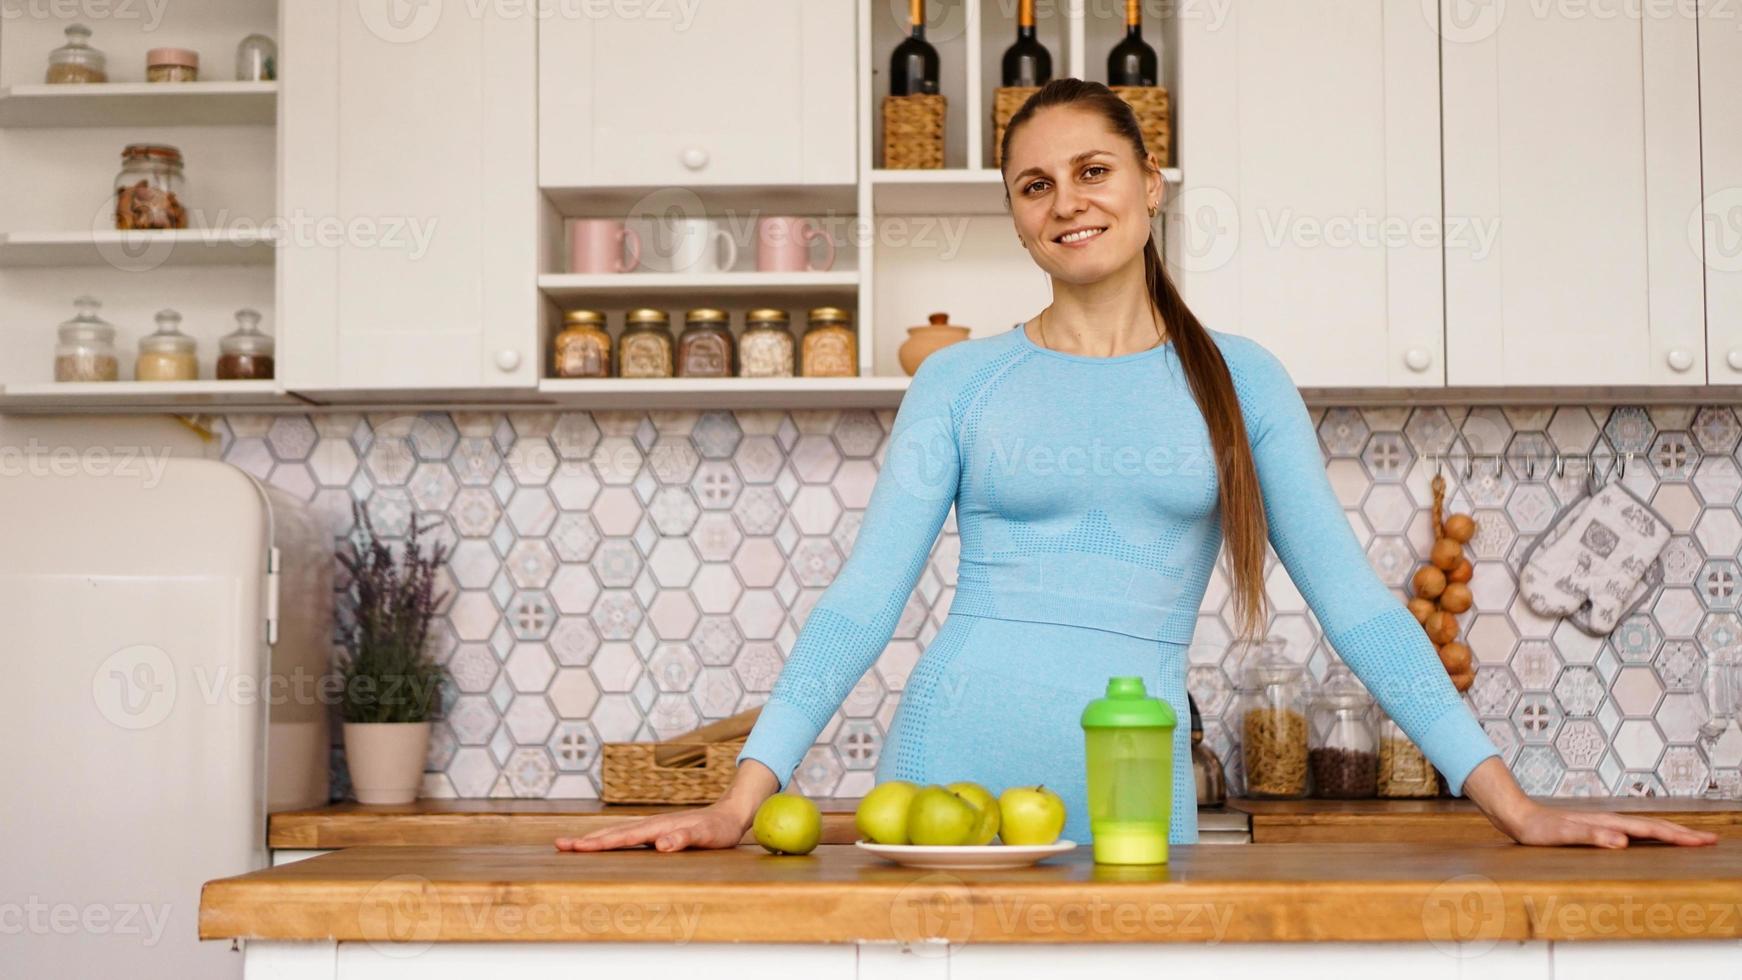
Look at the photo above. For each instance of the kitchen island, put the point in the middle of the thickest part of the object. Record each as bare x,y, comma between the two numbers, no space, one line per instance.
1355,909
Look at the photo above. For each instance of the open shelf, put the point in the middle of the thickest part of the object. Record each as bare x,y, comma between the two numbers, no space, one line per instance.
720,393
135,250
141,395
704,200
140,104
641,288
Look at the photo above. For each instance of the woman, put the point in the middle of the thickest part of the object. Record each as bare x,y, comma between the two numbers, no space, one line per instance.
1097,456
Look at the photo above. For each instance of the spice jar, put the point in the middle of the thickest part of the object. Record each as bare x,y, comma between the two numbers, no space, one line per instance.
767,349
150,188
172,65
86,351
168,354
646,348
583,348
705,349
256,59
829,348
1273,725
76,62
1403,770
246,354
1344,753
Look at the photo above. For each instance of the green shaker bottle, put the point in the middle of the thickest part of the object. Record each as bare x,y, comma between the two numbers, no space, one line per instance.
1129,748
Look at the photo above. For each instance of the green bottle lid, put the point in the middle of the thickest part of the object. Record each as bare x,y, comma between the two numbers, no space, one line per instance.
1128,705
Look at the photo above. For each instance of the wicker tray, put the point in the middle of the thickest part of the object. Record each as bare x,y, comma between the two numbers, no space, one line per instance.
1005,101
1151,105
629,774
913,132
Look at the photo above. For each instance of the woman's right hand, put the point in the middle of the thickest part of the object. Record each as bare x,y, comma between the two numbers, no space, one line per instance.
719,824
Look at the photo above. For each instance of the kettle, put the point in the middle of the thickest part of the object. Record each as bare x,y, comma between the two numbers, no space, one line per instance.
1207,771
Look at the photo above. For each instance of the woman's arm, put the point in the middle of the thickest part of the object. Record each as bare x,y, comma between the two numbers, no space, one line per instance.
1375,634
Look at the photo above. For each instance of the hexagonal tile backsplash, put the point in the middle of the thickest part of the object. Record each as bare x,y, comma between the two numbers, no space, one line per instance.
628,576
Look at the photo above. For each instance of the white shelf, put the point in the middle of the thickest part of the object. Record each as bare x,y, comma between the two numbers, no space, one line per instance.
135,250
958,191
641,287
140,395
706,393
624,201
140,104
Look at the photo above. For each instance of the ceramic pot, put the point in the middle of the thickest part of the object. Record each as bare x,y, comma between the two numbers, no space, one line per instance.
386,759
922,341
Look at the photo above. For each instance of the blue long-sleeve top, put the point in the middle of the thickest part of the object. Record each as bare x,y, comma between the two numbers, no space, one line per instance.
1086,494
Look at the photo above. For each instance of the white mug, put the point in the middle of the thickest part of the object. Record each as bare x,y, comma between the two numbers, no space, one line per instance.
695,245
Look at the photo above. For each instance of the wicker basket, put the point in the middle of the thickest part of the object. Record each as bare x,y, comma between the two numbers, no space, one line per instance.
1005,102
913,132
628,773
1151,105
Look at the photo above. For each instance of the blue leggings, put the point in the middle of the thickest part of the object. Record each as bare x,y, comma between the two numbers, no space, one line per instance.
1000,702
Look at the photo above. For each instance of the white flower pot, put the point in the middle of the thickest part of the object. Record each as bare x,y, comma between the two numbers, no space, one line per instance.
386,759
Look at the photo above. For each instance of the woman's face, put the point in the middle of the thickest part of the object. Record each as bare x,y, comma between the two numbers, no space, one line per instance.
1066,171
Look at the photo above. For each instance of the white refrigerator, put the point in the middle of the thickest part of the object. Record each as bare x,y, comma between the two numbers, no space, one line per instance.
164,628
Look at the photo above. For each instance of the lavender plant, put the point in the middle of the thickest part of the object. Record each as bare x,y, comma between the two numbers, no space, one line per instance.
387,672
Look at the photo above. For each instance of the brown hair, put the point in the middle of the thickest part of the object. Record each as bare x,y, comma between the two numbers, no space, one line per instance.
1241,502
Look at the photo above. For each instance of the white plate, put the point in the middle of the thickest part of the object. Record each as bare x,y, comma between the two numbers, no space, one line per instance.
969,856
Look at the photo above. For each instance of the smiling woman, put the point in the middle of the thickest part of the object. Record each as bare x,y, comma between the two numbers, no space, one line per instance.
1179,439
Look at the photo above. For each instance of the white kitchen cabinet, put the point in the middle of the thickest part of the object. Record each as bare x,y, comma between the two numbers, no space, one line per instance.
1721,216
1308,219
1575,134
725,92
409,186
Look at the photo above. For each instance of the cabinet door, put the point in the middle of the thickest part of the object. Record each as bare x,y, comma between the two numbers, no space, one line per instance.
1721,140
724,92
1575,135
1309,215
409,150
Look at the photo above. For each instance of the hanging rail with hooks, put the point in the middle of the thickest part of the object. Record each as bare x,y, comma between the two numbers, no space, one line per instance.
1528,463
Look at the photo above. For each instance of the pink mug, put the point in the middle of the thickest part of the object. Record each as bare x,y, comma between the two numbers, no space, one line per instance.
783,245
596,245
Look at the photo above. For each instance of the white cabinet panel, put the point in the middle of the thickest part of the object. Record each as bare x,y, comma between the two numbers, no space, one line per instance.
410,151
1721,139
1310,216
725,92
1576,137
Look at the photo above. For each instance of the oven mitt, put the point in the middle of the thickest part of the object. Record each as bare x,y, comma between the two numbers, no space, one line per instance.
1593,558
1581,617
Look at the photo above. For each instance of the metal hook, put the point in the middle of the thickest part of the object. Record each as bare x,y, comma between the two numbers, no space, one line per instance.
1499,466
1530,468
1469,466
1560,465
1438,459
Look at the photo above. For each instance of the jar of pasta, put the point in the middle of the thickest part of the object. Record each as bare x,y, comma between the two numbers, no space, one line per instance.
172,65
1273,723
1404,771
767,348
705,350
168,354
646,349
86,347
151,189
76,62
583,348
829,348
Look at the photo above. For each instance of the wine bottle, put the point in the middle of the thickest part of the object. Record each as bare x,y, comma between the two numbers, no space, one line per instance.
913,66
1132,61
1026,62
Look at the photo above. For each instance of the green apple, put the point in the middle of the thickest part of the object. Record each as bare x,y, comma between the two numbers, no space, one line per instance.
939,817
882,814
788,824
986,827
1030,815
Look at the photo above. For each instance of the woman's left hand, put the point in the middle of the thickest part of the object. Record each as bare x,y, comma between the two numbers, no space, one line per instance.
1526,821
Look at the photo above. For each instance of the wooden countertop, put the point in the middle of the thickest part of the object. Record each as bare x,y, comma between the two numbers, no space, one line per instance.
1451,821
1284,892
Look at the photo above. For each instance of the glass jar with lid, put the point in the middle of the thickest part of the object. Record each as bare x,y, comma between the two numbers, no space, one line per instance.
76,62
1273,723
583,348
151,189
1403,771
256,59
767,348
829,348
86,347
172,65
705,349
168,354
1344,753
246,354
646,348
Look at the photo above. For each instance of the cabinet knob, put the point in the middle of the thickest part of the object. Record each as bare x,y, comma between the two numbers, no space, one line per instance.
1417,359
1679,360
695,158
507,360
1734,359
